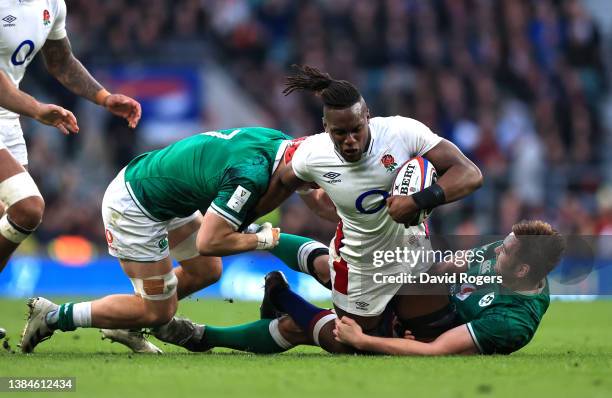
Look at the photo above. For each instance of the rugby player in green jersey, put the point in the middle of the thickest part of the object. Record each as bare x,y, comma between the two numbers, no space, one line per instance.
151,212
492,318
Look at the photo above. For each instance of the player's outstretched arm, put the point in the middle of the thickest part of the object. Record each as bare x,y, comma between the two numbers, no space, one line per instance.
17,101
456,341
69,71
216,237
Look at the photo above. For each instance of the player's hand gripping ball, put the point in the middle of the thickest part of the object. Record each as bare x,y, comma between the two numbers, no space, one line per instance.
414,176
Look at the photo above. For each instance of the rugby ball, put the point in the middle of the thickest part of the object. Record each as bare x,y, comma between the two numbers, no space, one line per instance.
414,176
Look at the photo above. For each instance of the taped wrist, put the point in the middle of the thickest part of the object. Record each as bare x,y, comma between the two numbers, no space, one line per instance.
265,237
264,240
430,197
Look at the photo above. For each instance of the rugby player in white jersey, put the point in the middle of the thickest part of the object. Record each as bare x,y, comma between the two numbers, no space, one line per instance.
26,27
353,162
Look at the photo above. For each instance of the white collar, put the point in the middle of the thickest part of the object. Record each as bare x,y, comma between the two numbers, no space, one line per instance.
279,154
537,290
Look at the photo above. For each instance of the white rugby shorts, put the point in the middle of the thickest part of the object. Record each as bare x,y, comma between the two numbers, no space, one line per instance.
360,289
11,138
130,234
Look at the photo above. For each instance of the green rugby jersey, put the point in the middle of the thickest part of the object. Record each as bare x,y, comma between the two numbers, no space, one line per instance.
226,171
499,320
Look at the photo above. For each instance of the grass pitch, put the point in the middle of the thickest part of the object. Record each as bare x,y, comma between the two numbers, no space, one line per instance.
570,356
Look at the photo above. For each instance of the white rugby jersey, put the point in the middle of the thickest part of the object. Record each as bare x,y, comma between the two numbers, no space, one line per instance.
359,189
25,26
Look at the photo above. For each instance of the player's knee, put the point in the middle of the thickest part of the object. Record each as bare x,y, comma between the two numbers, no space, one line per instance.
292,332
334,347
28,212
161,313
326,340
287,325
214,272
321,267
25,205
160,295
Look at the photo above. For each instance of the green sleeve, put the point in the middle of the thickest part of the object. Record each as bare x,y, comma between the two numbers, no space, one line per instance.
499,334
238,193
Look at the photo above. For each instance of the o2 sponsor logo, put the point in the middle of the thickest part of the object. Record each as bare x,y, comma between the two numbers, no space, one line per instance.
22,52
378,206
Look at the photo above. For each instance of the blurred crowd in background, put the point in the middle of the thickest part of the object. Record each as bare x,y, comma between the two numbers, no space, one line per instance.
520,86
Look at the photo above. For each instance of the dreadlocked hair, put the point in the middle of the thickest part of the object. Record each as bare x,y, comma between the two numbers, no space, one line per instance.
338,94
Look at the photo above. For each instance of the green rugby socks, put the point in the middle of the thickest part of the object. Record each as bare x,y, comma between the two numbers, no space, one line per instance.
70,316
299,253
260,337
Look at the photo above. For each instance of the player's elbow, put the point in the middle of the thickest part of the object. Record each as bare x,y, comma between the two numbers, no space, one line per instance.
54,68
473,176
59,66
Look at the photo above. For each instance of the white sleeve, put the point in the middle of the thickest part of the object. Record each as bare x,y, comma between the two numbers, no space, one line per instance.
299,162
58,31
418,139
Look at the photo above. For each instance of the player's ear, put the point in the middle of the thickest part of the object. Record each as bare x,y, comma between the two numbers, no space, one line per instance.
522,270
324,123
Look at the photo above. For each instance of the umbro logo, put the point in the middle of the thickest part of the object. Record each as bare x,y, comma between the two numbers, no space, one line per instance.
333,177
362,305
9,19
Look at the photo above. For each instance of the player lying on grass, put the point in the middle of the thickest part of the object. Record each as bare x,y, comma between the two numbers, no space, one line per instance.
495,318
151,211
490,318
